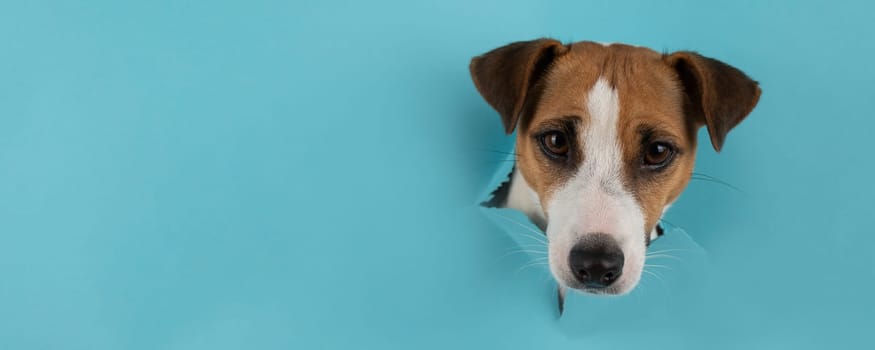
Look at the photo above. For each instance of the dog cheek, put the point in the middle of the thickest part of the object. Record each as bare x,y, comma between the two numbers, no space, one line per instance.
653,199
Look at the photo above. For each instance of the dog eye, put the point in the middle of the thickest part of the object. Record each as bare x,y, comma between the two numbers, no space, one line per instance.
658,154
554,143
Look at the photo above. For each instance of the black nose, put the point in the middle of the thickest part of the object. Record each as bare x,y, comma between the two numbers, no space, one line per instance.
596,261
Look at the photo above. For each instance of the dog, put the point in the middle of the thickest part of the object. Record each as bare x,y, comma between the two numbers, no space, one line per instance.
605,143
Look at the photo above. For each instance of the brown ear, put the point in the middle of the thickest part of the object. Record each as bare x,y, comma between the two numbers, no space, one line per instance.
504,75
720,95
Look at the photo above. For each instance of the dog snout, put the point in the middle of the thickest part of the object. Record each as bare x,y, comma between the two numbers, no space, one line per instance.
596,261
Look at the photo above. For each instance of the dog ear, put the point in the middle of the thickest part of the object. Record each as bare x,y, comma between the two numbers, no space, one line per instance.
720,96
504,76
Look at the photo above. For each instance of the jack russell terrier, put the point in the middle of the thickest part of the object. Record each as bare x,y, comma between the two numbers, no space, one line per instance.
606,142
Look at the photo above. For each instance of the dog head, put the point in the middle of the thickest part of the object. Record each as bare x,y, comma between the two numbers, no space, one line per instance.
606,142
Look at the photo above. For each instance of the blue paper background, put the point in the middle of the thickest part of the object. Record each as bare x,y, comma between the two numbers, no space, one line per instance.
302,174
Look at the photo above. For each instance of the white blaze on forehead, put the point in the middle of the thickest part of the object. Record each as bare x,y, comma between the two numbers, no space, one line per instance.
595,200
601,148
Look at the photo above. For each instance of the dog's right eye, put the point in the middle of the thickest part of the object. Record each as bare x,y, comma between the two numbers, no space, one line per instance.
658,154
554,143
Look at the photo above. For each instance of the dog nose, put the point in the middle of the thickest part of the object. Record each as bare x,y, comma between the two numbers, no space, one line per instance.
596,261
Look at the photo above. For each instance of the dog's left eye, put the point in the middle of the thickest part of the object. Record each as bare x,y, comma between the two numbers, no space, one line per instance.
554,143
658,154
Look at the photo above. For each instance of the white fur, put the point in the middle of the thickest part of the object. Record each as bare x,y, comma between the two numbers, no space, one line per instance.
595,200
522,197
654,234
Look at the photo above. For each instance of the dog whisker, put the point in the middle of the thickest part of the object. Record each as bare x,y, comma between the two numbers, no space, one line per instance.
520,251
659,266
693,173
675,227
668,251
541,242
540,234
705,175
662,252
657,277
496,161
533,234
717,181
661,256
497,151
533,238
540,259
538,247
652,274
536,262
